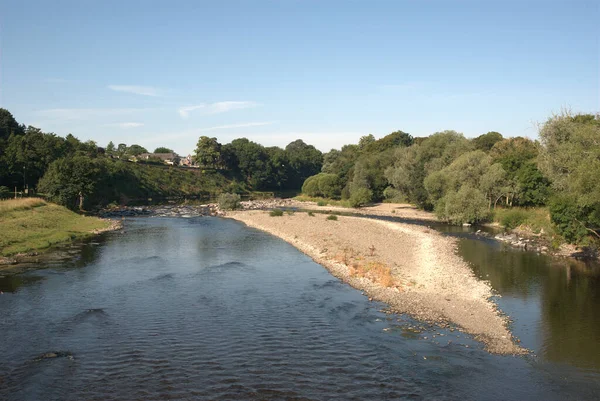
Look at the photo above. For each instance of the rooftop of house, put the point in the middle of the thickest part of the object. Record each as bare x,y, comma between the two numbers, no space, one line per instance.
162,156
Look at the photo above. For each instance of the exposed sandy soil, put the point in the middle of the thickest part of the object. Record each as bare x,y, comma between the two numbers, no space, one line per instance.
402,210
430,281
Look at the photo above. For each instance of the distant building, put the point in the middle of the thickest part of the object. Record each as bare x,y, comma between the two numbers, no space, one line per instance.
167,158
187,161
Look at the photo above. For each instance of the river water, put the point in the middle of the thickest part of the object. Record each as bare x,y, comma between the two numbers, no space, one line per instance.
206,308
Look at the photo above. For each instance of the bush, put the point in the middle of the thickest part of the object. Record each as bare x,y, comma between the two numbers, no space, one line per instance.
323,185
332,217
468,205
229,201
321,203
512,218
568,218
392,195
276,213
311,186
360,197
5,193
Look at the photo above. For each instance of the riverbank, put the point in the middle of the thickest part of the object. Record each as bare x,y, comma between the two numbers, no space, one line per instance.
413,269
31,225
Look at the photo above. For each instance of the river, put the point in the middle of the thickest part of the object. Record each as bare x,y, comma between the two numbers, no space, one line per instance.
206,308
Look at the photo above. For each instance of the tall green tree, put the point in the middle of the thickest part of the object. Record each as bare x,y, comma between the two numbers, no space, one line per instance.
304,161
570,158
208,153
74,181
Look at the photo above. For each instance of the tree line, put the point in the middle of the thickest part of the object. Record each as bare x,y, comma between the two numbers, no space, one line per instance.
82,175
462,180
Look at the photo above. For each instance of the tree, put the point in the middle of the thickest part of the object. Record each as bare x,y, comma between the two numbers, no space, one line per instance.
208,152
136,150
413,164
467,205
162,149
8,125
28,156
122,150
304,161
365,141
324,185
278,168
74,181
251,160
475,170
487,141
570,158
110,148
390,141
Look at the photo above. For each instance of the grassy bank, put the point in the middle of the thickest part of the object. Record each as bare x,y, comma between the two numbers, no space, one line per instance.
33,224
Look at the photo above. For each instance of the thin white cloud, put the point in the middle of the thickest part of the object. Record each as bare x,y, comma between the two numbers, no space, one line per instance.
136,90
127,125
216,108
184,112
82,114
195,132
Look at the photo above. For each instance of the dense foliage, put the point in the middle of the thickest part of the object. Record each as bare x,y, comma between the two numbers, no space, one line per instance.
261,167
464,180
82,175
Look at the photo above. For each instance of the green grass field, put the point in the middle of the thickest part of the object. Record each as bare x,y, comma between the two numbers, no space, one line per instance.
33,224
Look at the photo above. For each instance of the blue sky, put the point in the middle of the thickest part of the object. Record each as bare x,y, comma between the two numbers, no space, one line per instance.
164,73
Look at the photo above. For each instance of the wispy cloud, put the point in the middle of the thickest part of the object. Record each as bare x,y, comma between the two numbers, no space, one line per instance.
84,113
197,131
136,90
242,125
215,108
127,125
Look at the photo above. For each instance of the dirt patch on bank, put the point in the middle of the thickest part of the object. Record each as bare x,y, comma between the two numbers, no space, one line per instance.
413,269
400,210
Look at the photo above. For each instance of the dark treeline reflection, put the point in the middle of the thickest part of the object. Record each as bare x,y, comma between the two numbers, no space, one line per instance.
567,292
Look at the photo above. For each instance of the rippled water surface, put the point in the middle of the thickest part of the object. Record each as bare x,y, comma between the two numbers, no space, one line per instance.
209,309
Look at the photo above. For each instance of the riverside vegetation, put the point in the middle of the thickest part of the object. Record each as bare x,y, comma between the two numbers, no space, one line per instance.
549,187
462,180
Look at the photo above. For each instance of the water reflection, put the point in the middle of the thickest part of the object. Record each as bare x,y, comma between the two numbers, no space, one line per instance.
13,282
555,301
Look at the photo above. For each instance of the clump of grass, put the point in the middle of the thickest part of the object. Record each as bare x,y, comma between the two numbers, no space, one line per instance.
311,214
290,212
321,203
13,205
332,217
276,213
